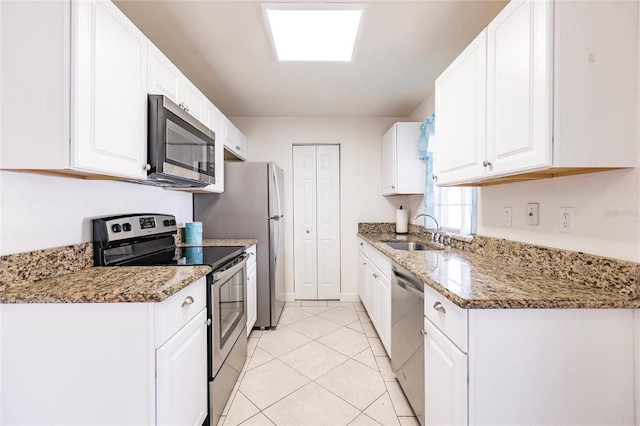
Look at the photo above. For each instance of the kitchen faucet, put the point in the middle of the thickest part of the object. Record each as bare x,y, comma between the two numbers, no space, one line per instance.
426,215
436,236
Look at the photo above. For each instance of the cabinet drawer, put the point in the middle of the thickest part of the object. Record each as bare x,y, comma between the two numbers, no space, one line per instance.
447,316
382,262
172,314
362,246
251,251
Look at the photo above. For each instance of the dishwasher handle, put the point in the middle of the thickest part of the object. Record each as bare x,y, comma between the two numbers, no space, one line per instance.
408,283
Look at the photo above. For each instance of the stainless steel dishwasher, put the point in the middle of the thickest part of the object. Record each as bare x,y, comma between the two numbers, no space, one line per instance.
407,340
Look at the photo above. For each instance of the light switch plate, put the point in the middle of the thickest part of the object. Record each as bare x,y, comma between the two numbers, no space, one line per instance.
533,211
506,216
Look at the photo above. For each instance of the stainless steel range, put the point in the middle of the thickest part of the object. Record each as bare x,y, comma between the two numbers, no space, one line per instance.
148,239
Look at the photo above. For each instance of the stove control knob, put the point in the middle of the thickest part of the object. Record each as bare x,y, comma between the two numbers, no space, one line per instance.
116,227
172,222
167,222
126,227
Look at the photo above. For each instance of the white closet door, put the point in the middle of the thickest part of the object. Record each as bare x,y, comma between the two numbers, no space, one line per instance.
316,201
328,220
304,222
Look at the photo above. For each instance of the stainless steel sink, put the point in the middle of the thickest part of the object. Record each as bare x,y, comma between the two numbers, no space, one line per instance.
409,246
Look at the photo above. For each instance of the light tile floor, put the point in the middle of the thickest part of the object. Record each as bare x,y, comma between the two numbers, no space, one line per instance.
323,365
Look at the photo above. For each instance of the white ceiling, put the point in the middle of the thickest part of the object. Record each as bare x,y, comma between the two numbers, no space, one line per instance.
223,47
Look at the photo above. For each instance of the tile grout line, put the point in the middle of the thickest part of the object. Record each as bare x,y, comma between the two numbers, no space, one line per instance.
316,340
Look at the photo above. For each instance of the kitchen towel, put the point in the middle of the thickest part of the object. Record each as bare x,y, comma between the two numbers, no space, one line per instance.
402,221
193,232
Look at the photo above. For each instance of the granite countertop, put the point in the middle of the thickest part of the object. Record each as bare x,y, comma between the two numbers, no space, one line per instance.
471,280
141,284
208,242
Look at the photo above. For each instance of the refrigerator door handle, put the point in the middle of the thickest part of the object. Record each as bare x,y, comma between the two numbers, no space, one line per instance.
275,184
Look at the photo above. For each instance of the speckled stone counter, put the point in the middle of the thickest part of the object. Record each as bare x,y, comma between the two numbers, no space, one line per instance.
212,242
106,285
472,280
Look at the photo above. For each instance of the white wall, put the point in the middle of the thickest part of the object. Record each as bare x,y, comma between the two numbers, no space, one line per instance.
38,212
607,208
360,139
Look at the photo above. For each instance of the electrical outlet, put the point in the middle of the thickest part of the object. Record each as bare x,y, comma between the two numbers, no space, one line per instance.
533,210
506,216
566,219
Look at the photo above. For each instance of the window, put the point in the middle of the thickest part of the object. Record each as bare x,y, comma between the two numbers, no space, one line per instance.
453,207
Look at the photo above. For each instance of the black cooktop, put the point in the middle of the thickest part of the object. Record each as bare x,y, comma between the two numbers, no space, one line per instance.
215,256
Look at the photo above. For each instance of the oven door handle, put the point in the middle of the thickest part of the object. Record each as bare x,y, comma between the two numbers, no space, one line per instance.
227,273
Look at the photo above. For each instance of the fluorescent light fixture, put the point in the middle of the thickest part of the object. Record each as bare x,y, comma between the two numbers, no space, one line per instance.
313,31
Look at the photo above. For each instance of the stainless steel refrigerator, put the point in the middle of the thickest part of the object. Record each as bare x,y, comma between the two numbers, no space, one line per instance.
251,207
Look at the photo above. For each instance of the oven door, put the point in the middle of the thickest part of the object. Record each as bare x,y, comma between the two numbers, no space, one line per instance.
227,310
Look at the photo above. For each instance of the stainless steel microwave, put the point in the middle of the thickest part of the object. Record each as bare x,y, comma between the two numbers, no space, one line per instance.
181,150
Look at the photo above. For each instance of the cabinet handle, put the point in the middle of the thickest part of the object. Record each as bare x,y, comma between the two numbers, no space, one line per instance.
393,187
208,322
182,105
251,253
186,108
147,167
438,307
361,244
364,263
486,163
187,301
237,147
434,177
423,333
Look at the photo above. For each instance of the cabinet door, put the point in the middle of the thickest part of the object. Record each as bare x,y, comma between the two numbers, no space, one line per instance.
194,101
389,159
252,296
164,77
445,369
384,311
242,145
373,274
232,139
519,87
461,115
181,375
362,279
214,121
109,91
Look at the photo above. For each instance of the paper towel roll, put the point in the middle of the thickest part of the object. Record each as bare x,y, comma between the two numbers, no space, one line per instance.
402,221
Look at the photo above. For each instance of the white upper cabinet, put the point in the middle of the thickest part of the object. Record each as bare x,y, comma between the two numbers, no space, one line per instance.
109,87
519,88
215,120
560,95
461,93
402,171
82,71
235,142
166,79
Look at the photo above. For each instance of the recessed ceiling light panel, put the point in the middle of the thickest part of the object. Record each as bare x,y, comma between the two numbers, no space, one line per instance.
313,31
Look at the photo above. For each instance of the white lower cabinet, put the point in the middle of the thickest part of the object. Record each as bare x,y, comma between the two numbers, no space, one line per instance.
527,366
374,289
252,289
105,363
177,377
446,388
